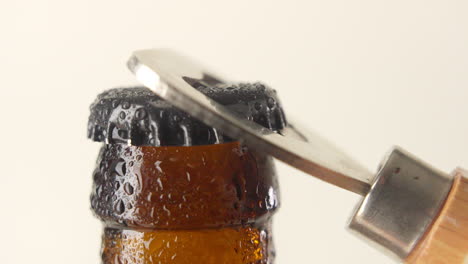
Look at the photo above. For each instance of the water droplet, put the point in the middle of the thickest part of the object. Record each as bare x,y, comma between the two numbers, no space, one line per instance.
157,164
140,211
116,185
121,168
123,133
99,191
128,188
140,113
166,210
160,183
271,102
271,201
103,165
122,115
105,112
125,105
115,103
258,106
96,176
119,207
93,202
262,87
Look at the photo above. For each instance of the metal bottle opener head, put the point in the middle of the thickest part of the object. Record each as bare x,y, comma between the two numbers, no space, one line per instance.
166,73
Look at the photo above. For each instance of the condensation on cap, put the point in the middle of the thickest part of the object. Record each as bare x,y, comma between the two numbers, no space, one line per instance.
138,117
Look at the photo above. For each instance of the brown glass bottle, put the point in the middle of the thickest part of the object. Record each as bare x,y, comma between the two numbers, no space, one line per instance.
206,203
197,204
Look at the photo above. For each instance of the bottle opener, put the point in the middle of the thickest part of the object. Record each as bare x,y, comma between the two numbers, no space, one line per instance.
407,204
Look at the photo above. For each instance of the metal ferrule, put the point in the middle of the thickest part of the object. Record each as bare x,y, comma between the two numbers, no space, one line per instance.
403,202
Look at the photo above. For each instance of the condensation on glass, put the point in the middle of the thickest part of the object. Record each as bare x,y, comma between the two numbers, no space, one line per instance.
197,204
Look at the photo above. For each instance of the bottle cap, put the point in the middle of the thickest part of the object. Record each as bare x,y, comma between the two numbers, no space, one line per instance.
136,116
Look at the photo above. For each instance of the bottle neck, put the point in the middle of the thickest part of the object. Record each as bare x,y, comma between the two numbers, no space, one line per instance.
160,203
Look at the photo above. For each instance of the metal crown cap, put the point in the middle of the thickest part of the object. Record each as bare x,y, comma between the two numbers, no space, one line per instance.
136,116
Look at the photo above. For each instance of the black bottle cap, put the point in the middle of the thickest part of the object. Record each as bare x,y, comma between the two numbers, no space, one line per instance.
138,117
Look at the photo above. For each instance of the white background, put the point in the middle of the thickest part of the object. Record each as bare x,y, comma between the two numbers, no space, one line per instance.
366,74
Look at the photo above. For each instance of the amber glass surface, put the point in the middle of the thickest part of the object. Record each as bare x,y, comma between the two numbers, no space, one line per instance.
231,245
197,204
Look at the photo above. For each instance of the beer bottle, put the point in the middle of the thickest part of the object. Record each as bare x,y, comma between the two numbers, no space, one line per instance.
170,189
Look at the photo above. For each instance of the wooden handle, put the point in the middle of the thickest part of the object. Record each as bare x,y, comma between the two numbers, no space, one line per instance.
447,240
